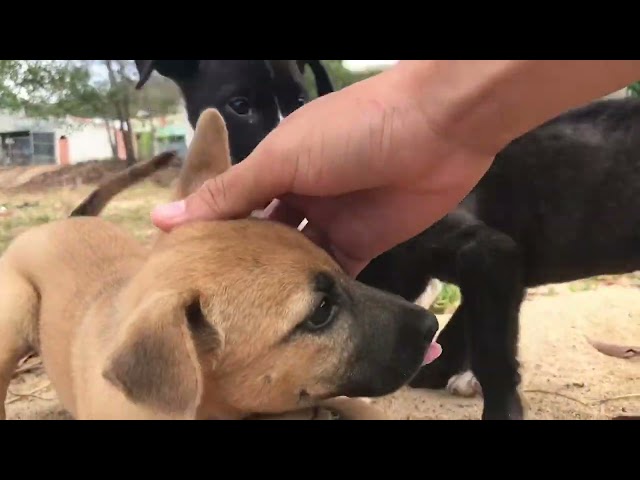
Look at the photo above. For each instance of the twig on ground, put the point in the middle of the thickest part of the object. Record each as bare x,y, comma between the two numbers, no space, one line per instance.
595,403
26,359
558,394
31,394
615,350
27,368
620,397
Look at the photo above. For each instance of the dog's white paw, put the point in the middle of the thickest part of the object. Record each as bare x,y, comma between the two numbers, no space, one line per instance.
430,294
464,384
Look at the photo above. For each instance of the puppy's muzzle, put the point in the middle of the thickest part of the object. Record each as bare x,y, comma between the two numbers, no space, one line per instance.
392,338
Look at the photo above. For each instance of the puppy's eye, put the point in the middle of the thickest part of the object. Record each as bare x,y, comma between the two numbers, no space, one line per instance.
322,316
240,105
301,100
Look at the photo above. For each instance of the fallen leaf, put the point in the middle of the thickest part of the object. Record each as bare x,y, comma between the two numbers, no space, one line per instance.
613,350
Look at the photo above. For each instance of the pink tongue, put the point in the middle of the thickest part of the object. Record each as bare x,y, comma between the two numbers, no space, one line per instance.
433,352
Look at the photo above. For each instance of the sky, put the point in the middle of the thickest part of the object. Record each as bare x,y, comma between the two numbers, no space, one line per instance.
365,64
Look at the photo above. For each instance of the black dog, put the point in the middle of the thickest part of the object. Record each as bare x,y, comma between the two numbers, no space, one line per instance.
560,203
251,95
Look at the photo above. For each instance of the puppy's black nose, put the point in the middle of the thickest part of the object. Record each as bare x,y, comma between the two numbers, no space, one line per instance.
424,322
429,325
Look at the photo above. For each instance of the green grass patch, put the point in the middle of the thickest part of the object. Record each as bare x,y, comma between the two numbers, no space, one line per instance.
447,301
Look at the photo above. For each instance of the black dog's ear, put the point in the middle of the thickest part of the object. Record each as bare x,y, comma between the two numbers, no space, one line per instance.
145,69
323,81
173,69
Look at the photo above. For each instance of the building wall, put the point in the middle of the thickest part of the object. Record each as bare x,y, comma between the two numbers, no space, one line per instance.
90,142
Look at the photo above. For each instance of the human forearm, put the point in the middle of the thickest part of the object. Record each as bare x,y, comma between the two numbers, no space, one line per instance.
484,104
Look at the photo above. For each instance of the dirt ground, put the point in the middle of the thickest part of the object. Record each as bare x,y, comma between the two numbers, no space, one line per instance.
563,376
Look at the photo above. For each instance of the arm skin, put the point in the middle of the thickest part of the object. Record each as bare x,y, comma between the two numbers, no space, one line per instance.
377,162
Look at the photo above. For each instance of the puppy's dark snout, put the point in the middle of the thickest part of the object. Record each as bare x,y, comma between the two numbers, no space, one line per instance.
424,322
393,339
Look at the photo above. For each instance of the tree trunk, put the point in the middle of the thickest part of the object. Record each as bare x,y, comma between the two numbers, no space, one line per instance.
112,137
126,110
122,116
128,143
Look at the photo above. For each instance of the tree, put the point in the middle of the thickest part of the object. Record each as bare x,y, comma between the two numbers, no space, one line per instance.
41,88
120,100
340,76
117,99
634,89
85,88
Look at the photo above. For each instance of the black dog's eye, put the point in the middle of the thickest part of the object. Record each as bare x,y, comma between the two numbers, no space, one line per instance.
301,101
240,105
322,316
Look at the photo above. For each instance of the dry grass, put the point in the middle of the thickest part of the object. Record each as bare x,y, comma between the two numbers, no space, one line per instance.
130,209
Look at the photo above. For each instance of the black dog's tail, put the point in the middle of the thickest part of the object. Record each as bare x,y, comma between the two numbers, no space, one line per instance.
109,188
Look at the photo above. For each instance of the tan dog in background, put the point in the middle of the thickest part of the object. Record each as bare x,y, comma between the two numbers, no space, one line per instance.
218,320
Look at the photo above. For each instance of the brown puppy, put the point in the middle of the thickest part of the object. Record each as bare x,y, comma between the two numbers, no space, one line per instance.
342,408
219,320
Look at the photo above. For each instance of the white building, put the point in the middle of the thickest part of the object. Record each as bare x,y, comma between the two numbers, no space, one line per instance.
27,141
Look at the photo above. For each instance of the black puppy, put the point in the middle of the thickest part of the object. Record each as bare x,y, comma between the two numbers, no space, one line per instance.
560,203
251,95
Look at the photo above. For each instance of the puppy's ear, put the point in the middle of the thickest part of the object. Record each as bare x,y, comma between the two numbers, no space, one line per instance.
176,70
208,155
157,359
323,81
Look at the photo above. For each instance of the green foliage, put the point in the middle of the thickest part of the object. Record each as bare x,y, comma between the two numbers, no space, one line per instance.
448,300
41,88
111,92
340,76
160,96
83,88
634,89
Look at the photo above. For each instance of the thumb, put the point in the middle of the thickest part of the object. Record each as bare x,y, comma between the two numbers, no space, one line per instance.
233,194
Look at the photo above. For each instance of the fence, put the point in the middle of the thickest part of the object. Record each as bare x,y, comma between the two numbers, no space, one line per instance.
27,148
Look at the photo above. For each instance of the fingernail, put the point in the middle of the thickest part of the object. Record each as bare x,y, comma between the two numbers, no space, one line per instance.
170,210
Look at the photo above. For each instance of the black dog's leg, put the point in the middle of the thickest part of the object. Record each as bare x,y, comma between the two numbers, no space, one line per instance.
483,332
492,288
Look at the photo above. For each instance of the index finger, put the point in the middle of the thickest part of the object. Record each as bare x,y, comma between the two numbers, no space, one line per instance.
245,187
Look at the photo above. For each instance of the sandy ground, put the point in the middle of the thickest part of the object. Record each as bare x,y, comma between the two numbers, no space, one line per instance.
563,376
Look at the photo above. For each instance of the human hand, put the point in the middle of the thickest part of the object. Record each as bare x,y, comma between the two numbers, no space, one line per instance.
374,164
364,165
